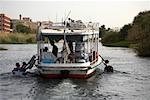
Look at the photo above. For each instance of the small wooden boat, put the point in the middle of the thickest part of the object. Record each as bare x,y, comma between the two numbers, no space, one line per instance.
23,71
18,73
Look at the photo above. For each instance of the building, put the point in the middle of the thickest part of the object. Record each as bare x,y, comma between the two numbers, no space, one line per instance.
26,21
46,24
4,23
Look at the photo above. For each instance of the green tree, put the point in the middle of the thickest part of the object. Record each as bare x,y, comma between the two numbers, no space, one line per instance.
115,38
102,31
124,31
23,29
139,34
111,37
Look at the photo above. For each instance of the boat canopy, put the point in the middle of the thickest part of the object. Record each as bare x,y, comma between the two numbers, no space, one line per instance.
80,45
70,36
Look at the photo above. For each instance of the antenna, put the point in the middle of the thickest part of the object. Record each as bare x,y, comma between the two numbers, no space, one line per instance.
65,41
56,16
65,20
67,15
62,21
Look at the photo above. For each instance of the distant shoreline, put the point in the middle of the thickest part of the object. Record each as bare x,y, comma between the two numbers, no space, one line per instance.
17,38
124,44
2,49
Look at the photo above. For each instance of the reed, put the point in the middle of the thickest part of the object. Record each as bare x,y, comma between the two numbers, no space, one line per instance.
17,38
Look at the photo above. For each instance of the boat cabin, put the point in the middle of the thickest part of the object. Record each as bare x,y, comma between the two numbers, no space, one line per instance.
65,47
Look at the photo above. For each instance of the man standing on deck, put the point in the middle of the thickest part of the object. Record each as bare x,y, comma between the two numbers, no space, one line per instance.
55,49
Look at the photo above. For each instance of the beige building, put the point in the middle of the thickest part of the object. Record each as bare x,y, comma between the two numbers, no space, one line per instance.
25,21
4,23
46,24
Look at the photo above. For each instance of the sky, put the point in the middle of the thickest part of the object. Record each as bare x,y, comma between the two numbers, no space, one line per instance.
111,13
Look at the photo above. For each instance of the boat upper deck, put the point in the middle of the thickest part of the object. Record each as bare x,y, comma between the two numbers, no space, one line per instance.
67,32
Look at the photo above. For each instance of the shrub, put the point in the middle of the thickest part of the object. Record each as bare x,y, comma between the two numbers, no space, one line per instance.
139,34
17,38
110,37
23,29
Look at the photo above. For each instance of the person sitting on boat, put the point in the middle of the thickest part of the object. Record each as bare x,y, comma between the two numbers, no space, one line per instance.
48,57
23,68
71,57
85,56
55,48
17,68
45,49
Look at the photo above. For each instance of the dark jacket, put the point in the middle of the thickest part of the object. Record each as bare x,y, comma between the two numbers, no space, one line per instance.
55,50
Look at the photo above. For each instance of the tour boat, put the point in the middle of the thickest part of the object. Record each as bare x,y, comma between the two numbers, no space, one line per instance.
77,54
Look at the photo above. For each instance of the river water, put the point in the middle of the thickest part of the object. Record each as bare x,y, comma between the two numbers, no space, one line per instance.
130,80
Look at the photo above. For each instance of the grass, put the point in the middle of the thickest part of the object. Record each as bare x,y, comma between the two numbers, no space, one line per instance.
17,38
117,44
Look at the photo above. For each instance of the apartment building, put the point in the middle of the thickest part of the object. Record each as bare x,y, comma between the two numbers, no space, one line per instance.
4,23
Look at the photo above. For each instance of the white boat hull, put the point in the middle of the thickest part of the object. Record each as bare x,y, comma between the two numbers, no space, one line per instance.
74,70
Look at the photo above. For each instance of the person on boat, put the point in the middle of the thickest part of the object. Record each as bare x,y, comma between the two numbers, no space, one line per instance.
17,68
23,67
71,57
48,57
45,49
61,58
70,46
55,48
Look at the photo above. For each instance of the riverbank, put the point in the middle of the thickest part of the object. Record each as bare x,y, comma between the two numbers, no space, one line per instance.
17,38
117,44
3,48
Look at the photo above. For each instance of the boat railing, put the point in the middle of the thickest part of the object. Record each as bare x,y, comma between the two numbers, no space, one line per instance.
77,57
87,26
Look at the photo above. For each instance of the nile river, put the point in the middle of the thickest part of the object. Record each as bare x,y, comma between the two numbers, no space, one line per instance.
130,81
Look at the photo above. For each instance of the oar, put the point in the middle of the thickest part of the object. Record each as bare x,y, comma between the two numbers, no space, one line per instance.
31,62
107,68
104,61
